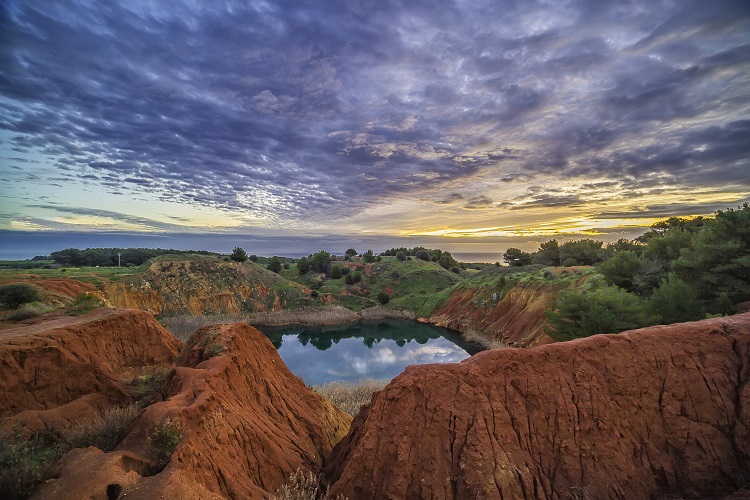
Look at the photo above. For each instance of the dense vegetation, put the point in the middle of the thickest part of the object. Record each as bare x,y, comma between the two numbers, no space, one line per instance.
680,270
113,256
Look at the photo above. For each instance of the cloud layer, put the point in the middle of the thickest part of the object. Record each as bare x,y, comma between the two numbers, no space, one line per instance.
287,111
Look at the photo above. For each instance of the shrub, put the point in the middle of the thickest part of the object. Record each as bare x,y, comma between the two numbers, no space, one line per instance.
383,298
357,276
456,269
314,294
350,396
301,486
401,256
570,261
349,280
335,272
253,258
26,462
105,431
15,295
238,255
369,256
84,303
164,438
25,312
275,265
345,270
303,265
423,255
674,302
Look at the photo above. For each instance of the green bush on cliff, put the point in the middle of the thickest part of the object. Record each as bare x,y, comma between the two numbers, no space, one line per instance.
15,295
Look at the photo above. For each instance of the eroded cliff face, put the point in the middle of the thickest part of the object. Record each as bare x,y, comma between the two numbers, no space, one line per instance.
200,287
64,368
246,423
659,411
516,318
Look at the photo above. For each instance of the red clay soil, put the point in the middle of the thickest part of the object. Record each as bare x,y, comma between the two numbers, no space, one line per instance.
64,368
247,423
518,319
59,286
659,412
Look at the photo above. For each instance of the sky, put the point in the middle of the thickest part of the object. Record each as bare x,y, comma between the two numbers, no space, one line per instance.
294,126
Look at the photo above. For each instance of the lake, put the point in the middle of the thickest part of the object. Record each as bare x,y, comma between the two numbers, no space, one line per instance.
376,350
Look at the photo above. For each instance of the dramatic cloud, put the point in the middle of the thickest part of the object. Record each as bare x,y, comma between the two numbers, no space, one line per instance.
285,112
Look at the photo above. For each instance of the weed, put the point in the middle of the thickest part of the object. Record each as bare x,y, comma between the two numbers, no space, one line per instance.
105,431
164,438
350,396
301,486
27,311
84,303
26,462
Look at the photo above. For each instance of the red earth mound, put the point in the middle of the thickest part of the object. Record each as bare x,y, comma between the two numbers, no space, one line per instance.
657,412
65,368
246,423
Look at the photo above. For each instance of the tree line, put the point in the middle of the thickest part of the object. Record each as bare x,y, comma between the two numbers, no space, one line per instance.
103,257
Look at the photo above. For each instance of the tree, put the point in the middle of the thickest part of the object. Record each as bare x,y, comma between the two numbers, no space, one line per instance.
253,258
320,262
548,254
351,253
303,265
15,295
586,252
238,255
577,312
349,280
674,302
400,256
275,265
369,256
516,258
383,298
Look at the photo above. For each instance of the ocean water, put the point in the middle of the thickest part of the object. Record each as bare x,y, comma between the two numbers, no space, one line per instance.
478,257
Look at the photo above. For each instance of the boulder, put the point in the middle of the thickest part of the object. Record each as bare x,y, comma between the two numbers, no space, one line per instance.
656,412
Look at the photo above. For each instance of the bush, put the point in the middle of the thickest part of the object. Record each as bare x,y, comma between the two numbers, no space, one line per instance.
27,311
84,303
303,265
357,276
253,258
349,280
456,269
383,298
275,265
238,255
423,255
401,256
26,462
335,272
105,431
164,438
570,261
15,295
314,294
301,486
345,270
674,302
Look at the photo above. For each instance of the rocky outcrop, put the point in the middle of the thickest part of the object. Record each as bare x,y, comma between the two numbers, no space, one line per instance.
202,287
516,318
246,423
661,411
66,367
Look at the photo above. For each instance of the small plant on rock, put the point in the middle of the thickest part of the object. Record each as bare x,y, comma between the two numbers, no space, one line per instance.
164,438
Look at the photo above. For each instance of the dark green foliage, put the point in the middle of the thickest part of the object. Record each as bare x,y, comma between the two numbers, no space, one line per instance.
674,302
25,462
383,298
446,260
357,276
401,256
314,294
164,438
516,258
253,258
718,261
275,265
369,256
456,269
423,255
586,252
349,280
622,269
15,295
345,270
320,262
303,265
350,253
548,254
577,313
84,303
238,255
335,272
570,261
108,256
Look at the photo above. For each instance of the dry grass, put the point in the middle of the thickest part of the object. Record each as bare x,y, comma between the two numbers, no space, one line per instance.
105,431
474,335
350,396
301,486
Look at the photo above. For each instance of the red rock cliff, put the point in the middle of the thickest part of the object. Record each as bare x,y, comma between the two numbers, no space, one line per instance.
646,413
247,423
66,366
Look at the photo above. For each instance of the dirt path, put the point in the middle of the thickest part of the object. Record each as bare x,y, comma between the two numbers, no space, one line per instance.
48,322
